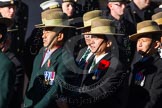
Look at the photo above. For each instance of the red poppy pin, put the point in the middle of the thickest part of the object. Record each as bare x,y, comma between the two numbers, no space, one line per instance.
48,63
104,64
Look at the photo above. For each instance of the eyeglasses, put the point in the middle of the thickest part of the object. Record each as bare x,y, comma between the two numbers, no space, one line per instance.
87,36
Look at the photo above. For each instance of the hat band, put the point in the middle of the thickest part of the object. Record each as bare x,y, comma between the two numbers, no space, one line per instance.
148,29
55,6
88,22
103,29
159,21
55,22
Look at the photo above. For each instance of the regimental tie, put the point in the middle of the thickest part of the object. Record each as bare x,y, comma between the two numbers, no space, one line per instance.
82,61
92,65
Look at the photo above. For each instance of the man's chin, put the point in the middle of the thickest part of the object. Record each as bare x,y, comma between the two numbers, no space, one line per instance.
141,52
44,45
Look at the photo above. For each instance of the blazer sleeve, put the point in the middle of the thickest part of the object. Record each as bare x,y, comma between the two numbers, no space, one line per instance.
7,78
155,100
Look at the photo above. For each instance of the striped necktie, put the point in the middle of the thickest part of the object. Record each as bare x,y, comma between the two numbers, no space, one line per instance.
85,55
92,65
82,61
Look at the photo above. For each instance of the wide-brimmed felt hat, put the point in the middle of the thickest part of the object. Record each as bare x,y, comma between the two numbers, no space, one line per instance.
102,27
4,3
53,18
90,16
50,4
157,18
146,27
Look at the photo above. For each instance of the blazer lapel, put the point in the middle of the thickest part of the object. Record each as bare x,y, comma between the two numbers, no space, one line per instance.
87,75
52,59
107,57
82,51
85,71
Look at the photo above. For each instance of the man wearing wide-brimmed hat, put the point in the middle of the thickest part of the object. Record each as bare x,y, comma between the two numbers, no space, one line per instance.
104,67
158,18
34,42
85,53
7,68
146,74
53,65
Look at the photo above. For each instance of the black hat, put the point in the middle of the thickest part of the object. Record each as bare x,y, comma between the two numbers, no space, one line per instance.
4,3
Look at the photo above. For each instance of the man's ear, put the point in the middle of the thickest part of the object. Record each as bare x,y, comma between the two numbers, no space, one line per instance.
109,43
157,44
0,35
109,5
60,36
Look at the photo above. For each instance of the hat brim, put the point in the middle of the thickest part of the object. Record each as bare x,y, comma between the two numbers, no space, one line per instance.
82,27
101,34
134,37
159,21
8,22
59,26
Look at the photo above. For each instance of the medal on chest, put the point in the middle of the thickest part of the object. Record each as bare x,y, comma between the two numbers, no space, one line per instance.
49,77
139,78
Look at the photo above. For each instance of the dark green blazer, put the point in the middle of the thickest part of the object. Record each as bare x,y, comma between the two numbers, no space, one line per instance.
41,95
105,84
7,78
